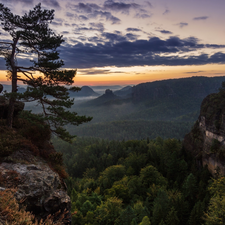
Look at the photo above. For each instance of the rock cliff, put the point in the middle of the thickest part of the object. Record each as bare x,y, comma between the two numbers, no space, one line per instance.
30,166
206,141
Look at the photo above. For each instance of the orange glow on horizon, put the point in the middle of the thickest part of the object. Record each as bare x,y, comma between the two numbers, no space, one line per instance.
135,75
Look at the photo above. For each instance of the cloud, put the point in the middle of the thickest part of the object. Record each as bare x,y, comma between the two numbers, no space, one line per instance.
149,4
165,31
201,18
82,17
92,27
87,8
97,26
132,37
114,38
56,24
52,3
107,15
200,71
95,72
142,16
29,2
70,15
181,25
82,38
119,52
132,29
116,50
166,12
120,6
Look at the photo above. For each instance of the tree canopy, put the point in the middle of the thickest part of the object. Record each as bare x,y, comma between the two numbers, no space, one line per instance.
31,37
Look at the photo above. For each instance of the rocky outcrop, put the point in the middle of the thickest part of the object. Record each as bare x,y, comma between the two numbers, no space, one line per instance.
38,187
206,141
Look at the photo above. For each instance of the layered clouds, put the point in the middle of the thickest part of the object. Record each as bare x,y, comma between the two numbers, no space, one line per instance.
103,33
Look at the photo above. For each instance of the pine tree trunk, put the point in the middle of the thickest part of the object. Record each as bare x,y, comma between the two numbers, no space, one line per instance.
14,84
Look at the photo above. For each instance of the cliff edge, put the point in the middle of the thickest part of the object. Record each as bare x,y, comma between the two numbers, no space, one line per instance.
206,141
32,172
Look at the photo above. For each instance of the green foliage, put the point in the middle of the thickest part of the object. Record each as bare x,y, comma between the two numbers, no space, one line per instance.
161,184
9,141
145,221
215,213
56,158
31,35
131,129
110,175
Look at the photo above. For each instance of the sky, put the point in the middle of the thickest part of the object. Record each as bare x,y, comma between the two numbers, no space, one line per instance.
127,42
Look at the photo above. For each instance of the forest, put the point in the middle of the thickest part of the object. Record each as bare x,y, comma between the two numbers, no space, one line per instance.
151,181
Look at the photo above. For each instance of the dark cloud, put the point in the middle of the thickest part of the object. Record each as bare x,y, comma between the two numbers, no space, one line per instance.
195,72
132,37
113,37
65,32
165,31
56,23
201,18
95,72
142,16
97,26
181,25
87,8
119,52
95,40
132,29
107,15
52,3
82,38
29,2
92,27
68,14
82,17
93,11
119,6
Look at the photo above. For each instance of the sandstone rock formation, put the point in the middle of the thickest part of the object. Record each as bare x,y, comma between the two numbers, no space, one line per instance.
206,141
38,188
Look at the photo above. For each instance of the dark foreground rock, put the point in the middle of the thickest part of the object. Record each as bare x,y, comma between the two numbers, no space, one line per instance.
38,187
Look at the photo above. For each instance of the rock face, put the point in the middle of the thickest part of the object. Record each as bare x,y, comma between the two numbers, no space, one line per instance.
38,188
206,141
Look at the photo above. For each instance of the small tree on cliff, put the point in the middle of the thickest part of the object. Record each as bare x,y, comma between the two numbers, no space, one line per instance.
32,37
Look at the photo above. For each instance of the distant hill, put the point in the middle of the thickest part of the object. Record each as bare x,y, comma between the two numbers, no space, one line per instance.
124,92
192,87
84,92
106,98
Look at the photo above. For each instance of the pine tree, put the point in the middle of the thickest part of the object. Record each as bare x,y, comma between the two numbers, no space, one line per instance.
145,221
32,37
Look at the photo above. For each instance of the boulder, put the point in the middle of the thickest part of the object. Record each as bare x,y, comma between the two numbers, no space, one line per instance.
39,188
